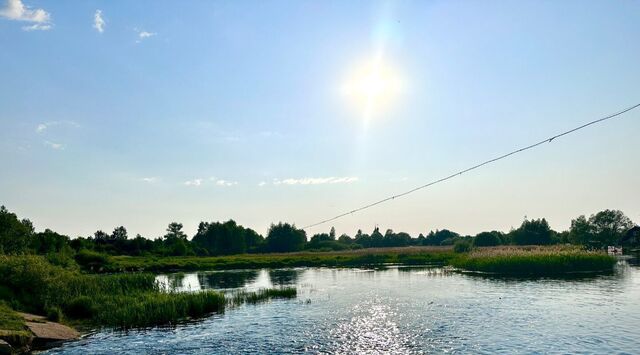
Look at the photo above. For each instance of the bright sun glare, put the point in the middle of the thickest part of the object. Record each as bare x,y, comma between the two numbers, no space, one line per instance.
372,87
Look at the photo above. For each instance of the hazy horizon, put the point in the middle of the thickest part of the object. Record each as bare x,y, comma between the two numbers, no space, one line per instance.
145,113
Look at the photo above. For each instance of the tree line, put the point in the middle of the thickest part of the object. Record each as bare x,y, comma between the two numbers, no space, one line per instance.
18,236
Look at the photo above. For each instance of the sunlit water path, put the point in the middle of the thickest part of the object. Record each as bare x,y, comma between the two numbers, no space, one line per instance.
398,310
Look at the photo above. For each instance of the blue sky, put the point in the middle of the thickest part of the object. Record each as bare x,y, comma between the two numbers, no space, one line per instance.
149,112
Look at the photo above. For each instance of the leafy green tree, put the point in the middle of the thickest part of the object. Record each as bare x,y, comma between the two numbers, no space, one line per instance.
284,237
486,239
49,242
533,232
15,235
441,236
602,229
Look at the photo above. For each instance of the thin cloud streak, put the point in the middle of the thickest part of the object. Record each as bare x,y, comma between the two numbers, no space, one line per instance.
316,180
53,145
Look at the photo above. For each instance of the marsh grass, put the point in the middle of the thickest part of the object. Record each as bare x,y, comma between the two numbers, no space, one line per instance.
262,295
534,260
350,258
122,300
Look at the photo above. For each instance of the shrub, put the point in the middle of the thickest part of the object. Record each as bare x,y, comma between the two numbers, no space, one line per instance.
91,259
80,307
54,314
462,247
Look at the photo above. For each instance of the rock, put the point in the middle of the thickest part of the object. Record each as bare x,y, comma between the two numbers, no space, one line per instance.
5,348
47,333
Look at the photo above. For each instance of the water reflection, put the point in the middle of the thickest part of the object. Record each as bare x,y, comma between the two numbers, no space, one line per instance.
408,310
284,277
227,279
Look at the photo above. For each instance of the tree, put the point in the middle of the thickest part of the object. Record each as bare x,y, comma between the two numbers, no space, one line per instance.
119,234
175,241
174,231
15,235
284,237
441,236
602,229
486,239
533,232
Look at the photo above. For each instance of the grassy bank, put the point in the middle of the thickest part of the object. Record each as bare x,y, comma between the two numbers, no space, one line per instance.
535,260
351,258
32,284
12,327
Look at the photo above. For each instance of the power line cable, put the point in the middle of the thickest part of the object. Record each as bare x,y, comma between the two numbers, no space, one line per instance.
547,140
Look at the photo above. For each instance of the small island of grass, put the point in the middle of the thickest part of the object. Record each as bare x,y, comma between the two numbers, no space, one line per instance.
534,260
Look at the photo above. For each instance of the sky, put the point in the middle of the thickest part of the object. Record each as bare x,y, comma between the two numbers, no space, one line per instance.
148,112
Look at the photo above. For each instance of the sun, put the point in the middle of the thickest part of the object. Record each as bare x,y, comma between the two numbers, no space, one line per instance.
372,87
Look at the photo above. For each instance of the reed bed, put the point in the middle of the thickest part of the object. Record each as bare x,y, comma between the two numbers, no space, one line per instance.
351,258
262,295
534,260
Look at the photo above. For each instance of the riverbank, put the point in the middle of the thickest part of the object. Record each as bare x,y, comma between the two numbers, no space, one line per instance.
508,260
350,258
32,284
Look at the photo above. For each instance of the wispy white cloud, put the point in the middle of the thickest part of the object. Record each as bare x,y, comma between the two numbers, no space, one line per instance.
42,127
142,35
226,183
261,183
52,145
222,182
17,11
98,21
194,182
150,179
316,180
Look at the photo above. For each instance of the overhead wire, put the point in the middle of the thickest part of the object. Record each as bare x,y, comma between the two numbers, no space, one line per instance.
519,150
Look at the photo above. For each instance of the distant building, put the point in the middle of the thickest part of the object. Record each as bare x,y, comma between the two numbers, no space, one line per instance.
631,238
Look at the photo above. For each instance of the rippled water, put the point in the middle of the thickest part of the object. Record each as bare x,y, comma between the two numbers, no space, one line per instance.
399,310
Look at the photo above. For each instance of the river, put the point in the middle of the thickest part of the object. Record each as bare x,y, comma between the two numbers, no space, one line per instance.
401,310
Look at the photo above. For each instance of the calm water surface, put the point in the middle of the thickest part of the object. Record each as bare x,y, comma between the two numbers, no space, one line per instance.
398,310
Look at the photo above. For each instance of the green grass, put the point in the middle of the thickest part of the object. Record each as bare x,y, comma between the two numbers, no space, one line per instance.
128,300
12,327
263,295
123,300
352,258
534,261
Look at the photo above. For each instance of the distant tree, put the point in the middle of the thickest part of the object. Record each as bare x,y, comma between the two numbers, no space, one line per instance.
174,231
533,232
440,236
49,242
486,239
602,229
119,234
175,240
346,239
332,233
377,239
15,235
284,237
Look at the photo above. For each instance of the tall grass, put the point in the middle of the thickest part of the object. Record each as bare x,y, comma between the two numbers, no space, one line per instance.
538,261
351,258
30,283
263,295
124,300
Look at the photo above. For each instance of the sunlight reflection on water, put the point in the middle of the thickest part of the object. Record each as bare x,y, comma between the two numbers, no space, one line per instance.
399,310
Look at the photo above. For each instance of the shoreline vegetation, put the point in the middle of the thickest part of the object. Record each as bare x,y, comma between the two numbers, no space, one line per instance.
107,280
129,296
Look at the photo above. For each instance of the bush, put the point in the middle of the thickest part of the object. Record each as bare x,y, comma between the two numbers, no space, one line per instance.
80,307
462,247
54,314
91,259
